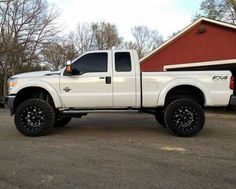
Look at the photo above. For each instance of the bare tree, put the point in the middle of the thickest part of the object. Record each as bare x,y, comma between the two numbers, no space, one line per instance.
94,36
105,35
224,10
25,26
84,38
128,45
145,40
70,45
56,53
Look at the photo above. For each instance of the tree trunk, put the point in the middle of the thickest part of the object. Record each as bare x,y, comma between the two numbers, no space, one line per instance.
5,87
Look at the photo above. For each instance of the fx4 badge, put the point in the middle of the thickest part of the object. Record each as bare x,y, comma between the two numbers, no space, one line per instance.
218,78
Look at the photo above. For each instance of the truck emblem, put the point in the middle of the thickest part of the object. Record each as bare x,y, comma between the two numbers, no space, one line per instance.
217,78
67,89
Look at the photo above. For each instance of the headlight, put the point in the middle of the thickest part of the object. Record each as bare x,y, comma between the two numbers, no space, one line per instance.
11,84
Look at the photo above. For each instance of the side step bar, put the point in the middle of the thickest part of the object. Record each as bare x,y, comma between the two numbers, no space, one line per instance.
72,112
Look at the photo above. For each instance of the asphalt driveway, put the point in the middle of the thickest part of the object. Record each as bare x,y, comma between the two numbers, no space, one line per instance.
119,151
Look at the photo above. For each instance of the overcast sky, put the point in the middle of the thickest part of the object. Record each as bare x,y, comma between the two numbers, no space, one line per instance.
165,16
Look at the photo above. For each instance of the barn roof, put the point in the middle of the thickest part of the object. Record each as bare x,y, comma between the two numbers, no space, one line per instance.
220,23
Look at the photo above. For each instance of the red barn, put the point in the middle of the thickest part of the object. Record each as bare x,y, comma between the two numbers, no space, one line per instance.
205,44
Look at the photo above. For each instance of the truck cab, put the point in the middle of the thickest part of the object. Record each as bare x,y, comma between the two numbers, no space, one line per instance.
113,77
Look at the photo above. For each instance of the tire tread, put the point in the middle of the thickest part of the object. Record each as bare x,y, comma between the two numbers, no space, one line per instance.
172,105
49,112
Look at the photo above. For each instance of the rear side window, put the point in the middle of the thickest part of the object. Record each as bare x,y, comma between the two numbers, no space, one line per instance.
122,62
94,62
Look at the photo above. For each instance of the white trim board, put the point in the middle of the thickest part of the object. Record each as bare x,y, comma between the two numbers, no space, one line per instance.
198,64
185,30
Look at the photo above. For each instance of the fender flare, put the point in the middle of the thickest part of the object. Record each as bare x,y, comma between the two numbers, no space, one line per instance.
184,81
44,85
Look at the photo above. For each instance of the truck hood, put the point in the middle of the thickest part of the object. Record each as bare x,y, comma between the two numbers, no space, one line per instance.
36,74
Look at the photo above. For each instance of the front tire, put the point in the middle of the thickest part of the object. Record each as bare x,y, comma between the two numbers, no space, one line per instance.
34,117
184,117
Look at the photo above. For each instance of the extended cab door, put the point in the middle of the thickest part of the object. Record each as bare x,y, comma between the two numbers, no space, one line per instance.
126,83
90,85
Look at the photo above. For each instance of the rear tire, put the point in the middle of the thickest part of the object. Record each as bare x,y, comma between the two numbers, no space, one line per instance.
159,115
34,117
184,117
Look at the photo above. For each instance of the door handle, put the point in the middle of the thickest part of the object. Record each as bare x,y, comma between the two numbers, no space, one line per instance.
108,80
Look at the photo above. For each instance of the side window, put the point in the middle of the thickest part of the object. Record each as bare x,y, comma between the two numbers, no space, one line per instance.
122,62
94,62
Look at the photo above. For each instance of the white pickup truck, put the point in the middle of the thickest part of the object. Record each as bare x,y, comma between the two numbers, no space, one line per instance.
111,81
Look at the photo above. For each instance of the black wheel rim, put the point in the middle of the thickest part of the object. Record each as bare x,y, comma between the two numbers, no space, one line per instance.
33,118
185,118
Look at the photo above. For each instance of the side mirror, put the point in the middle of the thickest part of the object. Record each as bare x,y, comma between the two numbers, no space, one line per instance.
68,68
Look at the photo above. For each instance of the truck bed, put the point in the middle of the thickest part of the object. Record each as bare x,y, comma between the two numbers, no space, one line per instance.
213,84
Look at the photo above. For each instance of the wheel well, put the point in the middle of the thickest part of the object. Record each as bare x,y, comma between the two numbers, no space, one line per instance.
32,93
185,91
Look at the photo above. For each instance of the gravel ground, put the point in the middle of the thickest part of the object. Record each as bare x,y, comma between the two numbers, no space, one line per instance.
107,151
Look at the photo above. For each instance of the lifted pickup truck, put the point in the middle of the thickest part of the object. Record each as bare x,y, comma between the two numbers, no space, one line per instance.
111,81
